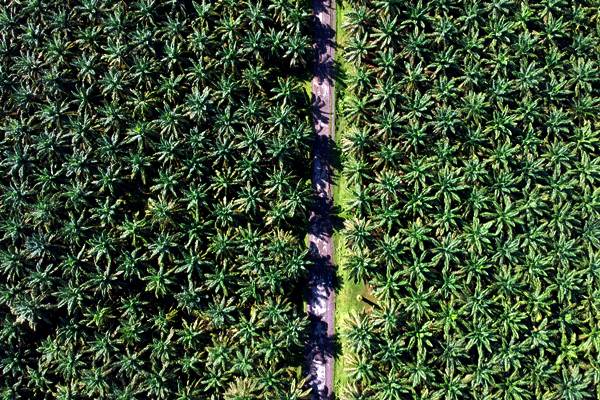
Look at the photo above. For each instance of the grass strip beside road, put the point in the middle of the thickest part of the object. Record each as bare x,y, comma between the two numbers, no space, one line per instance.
348,291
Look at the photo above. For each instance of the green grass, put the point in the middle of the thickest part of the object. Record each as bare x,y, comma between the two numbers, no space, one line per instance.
346,302
308,87
346,297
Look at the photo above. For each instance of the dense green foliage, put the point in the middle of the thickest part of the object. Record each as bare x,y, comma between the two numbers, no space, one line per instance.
473,160
153,199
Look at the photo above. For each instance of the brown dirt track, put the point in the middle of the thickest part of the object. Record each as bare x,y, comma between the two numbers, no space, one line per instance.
321,296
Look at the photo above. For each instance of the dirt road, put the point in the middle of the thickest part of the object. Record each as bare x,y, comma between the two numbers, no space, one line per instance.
321,297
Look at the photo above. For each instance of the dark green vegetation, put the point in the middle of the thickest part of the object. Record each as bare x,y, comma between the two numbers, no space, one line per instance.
153,199
472,160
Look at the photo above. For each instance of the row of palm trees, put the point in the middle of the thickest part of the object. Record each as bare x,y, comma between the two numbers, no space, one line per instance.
153,199
471,155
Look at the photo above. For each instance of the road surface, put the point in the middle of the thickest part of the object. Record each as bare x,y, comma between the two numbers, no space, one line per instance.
321,296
